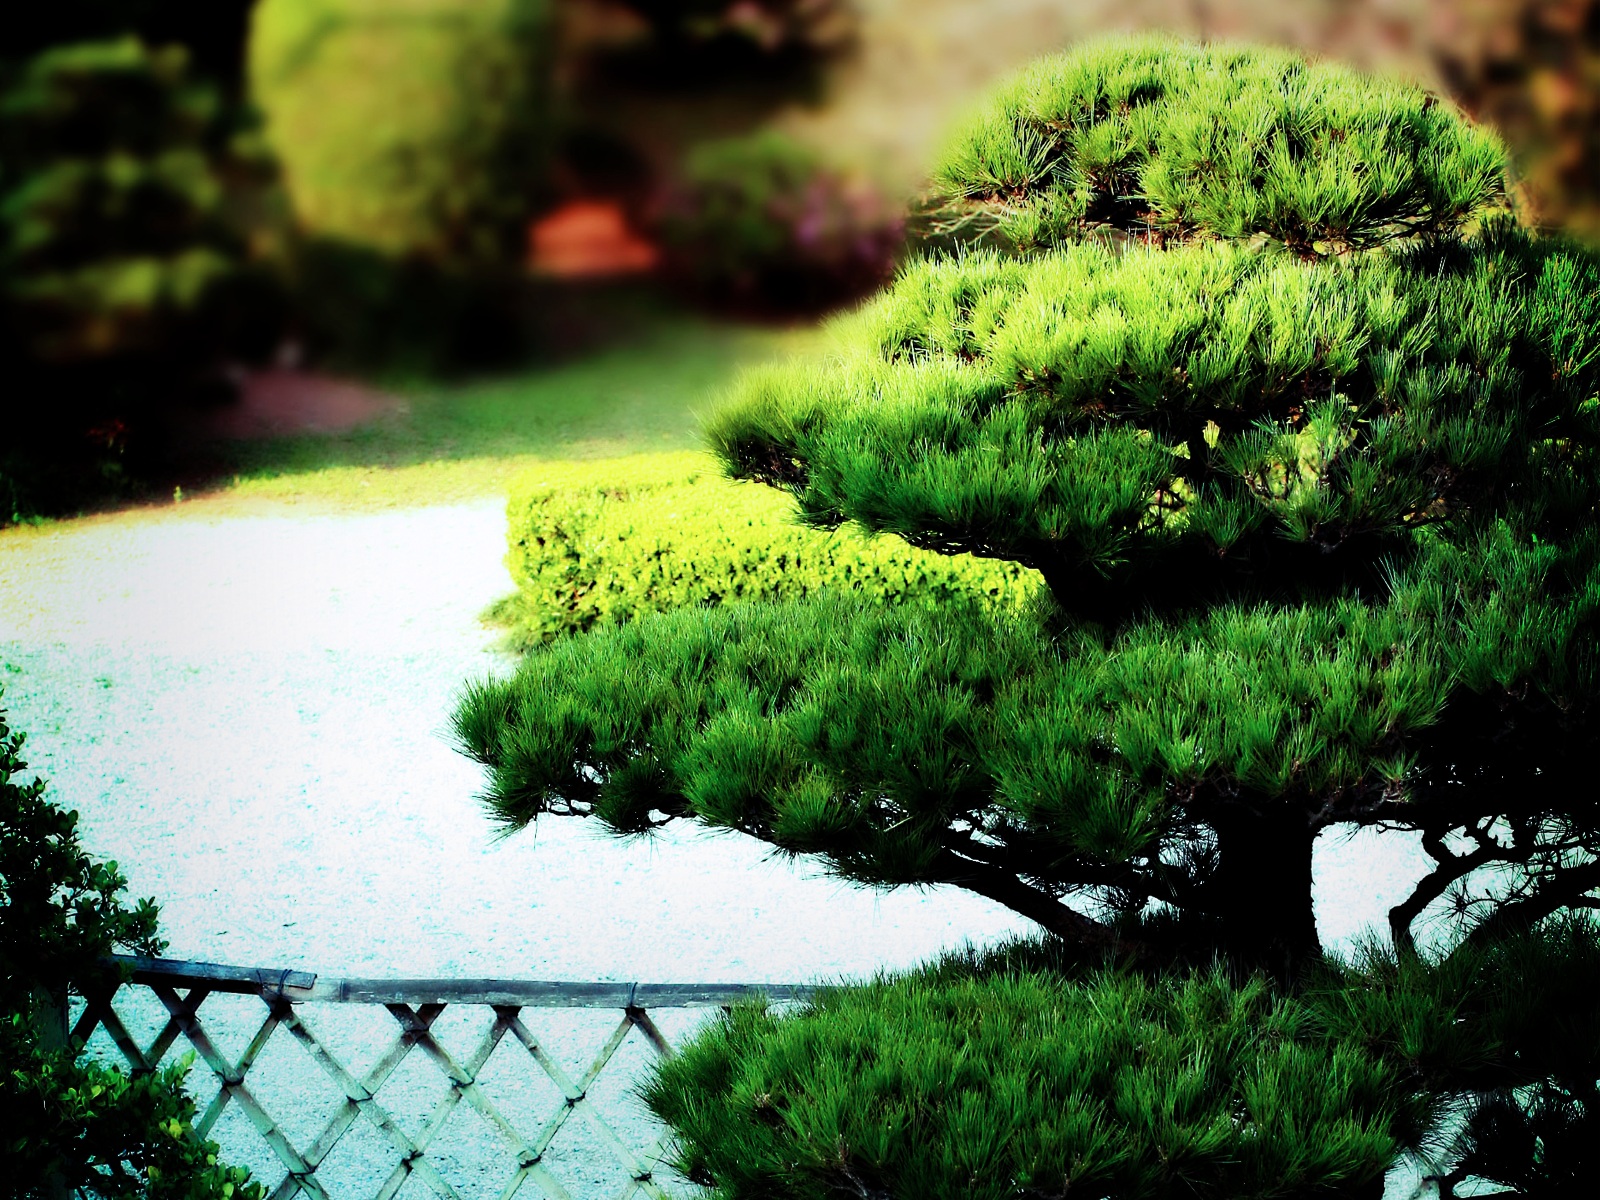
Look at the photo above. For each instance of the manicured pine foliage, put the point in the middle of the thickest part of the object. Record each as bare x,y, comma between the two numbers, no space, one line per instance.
1299,427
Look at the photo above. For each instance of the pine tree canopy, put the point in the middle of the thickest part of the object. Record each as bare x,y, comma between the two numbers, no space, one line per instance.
1209,415
1300,429
1156,136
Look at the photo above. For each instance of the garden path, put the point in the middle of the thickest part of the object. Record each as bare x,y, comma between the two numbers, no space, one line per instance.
250,712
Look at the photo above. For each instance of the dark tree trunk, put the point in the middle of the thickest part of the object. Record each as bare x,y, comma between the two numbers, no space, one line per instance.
1261,891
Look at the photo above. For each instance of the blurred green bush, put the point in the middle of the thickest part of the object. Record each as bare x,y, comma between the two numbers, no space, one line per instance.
124,279
762,222
211,31
408,127
595,544
355,308
771,26
1532,69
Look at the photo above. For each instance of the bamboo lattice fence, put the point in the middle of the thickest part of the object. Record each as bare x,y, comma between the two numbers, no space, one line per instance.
416,1006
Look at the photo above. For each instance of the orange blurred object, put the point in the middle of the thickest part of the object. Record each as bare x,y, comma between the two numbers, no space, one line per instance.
588,239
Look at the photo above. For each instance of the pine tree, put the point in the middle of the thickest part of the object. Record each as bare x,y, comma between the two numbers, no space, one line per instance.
1250,360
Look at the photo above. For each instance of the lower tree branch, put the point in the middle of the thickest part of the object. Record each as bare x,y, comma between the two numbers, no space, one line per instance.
1451,868
1034,903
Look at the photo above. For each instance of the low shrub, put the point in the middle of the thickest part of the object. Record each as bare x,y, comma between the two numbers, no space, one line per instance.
1032,1085
78,1128
600,543
763,222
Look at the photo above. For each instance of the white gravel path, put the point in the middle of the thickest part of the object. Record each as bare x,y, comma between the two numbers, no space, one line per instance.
250,713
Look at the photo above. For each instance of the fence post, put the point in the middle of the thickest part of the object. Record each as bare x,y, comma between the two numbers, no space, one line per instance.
50,1018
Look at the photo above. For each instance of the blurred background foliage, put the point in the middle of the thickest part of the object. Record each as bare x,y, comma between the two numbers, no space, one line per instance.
190,189
408,127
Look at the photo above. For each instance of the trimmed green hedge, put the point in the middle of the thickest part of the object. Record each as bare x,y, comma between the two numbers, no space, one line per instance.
596,544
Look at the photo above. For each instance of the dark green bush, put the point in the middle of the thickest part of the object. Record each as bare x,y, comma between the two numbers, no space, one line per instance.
766,50
212,31
603,543
1510,1031
770,26
356,308
762,222
123,279
75,1127
413,128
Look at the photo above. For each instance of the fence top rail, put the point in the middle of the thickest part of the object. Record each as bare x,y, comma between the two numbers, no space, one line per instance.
302,986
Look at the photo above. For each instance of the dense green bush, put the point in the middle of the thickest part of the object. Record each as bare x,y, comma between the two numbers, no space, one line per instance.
1508,1030
1027,1070
123,279
76,1127
359,309
1023,1084
598,544
1148,427
762,221
1303,436
411,128
212,31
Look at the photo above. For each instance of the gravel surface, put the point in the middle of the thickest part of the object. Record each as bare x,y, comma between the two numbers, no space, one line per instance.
251,715
250,712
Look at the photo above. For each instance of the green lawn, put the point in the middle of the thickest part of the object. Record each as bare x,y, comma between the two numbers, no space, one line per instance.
458,440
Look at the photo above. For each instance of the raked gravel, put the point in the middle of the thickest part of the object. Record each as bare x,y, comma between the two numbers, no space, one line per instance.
251,714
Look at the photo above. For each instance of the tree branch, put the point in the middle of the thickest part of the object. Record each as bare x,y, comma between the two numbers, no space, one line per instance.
1566,890
1034,903
1451,868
